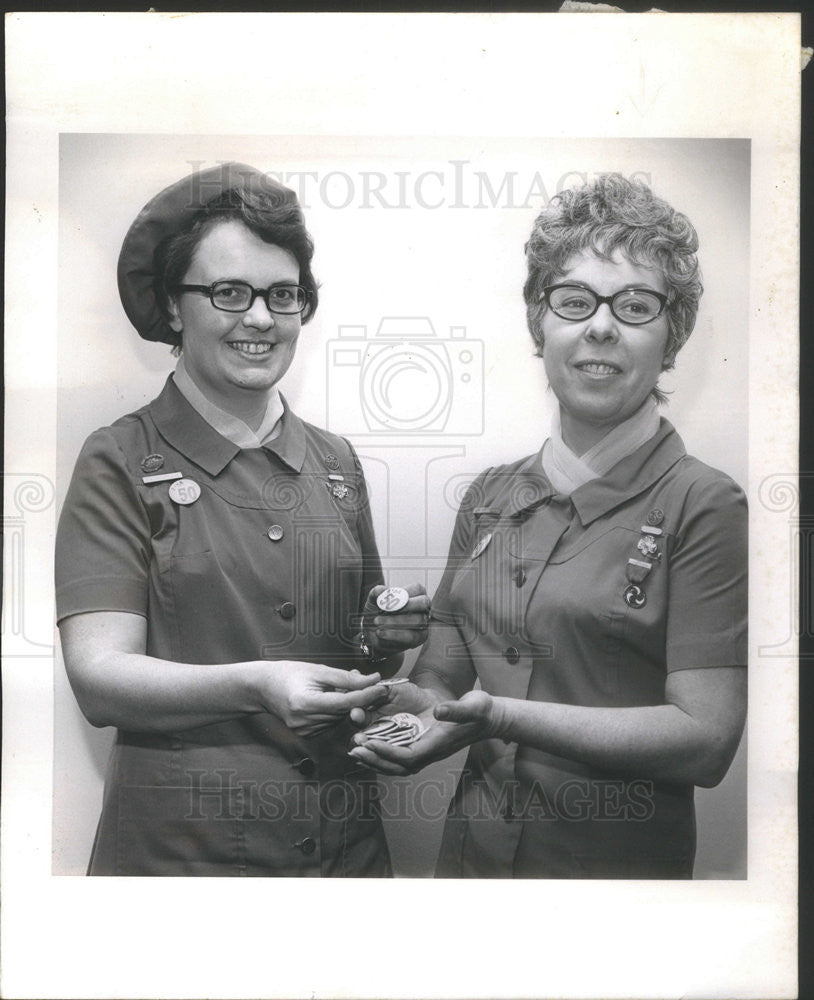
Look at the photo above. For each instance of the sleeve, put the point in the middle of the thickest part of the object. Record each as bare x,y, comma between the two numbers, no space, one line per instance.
372,574
445,654
103,537
708,598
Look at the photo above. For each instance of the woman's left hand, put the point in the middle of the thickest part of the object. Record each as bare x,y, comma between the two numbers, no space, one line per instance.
393,632
457,724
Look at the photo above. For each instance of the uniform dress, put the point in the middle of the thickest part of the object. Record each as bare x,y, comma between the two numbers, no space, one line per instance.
272,561
533,606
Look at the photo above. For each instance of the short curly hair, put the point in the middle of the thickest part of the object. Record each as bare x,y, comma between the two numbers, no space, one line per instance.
272,213
608,214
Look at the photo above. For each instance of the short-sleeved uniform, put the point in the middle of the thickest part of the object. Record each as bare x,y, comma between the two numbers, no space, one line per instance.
272,561
533,605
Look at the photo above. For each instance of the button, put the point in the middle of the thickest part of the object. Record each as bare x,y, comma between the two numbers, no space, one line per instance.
512,654
287,610
392,599
306,766
308,845
519,578
184,492
655,516
275,532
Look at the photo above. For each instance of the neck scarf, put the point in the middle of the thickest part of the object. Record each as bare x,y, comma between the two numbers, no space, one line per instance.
232,428
567,471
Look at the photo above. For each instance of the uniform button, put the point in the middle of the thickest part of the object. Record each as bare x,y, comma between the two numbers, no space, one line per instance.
308,845
519,578
287,610
275,532
512,654
306,767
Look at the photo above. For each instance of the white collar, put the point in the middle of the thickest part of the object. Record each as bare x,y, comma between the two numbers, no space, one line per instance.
232,428
567,471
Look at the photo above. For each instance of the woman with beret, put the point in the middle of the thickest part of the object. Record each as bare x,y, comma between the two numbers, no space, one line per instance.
215,559
595,591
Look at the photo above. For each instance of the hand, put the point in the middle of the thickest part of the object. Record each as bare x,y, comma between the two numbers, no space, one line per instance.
392,633
310,697
399,698
457,724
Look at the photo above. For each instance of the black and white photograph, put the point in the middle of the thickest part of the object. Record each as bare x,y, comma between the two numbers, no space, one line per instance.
402,511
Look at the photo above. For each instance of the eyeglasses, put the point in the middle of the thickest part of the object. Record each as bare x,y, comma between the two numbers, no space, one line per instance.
238,296
634,306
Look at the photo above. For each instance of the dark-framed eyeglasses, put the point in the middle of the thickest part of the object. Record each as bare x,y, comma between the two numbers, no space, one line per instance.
230,295
634,306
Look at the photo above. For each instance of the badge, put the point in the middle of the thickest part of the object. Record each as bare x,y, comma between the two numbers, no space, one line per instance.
162,477
635,597
400,729
655,516
392,599
637,570
339,490
331,461
482,543
152,463
648,547
184,492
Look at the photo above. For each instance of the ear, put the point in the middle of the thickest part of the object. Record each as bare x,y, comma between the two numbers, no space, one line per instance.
174,316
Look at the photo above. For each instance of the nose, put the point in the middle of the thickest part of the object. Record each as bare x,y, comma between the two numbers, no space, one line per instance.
258,315
602,325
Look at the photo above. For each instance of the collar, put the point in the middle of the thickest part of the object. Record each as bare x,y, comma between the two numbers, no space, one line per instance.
180,424
231,427
632,475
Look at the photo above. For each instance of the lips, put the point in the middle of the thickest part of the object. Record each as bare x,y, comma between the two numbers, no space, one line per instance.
593,367
255,348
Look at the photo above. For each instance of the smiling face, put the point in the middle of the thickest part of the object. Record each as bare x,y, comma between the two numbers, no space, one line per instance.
236,358
601,369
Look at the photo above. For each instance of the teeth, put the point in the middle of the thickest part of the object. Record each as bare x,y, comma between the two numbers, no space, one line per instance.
599,369
250,347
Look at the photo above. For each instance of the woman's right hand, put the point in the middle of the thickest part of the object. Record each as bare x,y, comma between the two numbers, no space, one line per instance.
310,697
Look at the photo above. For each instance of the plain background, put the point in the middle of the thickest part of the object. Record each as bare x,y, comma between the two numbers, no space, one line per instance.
439,251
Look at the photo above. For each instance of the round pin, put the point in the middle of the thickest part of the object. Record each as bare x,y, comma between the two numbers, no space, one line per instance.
184,492
635,597
392,599
655,516
152,463
332,461
482,543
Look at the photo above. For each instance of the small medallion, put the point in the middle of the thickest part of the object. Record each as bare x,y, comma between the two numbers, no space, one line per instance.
339,490
647,546
332,462
635,597
482,543
655,516
152,463
392,599
184,492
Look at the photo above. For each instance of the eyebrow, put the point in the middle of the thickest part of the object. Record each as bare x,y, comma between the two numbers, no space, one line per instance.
626,288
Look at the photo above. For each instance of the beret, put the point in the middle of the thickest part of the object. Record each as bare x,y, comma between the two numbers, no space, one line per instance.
169,213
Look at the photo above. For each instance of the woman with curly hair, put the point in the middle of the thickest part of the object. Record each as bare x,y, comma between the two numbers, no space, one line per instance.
595,592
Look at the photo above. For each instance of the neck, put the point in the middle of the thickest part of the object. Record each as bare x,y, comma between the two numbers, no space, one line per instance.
248,405
580,437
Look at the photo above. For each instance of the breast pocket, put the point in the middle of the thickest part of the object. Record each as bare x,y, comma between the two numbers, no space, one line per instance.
577,606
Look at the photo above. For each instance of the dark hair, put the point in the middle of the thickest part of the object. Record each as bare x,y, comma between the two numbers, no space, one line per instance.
612,213
272,213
